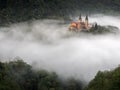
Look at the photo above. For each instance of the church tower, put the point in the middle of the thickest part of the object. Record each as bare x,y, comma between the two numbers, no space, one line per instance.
86,22
79,22
80,18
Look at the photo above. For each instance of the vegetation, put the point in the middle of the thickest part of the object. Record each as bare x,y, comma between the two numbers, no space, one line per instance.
107,80
17,75
21,10
97,29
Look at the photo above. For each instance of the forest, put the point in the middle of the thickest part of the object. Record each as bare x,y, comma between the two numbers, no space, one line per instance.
21,10
107,80
18,75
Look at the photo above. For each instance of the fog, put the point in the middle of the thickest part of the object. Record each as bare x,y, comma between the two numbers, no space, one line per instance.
46,44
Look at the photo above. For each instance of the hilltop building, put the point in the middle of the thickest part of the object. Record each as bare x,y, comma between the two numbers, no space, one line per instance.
80,24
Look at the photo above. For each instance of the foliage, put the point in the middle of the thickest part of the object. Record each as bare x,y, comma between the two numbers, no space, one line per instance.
107,80
103,29
21,10
17,75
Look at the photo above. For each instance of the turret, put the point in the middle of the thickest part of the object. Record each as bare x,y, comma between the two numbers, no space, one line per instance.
80,18
86,21
86,18
79,22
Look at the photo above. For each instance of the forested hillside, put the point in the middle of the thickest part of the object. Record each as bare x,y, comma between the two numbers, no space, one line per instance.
107,80
22,10
17,75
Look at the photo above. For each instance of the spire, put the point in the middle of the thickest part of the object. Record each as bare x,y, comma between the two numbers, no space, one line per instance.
80,18
86,17
86,22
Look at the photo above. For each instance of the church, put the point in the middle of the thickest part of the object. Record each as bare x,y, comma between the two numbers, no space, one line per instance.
80,24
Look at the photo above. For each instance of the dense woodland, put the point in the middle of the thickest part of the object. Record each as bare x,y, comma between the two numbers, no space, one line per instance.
22,10
18,75
107,80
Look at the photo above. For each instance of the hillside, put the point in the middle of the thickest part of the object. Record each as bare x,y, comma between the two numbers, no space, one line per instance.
18,75
107,80
22,10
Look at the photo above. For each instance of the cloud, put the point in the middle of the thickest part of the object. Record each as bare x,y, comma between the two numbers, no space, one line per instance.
46,44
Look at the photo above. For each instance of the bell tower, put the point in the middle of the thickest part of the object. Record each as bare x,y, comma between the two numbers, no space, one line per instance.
86,22
80,18
79,22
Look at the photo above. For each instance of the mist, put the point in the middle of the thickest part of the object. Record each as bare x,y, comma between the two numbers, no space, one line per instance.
46,44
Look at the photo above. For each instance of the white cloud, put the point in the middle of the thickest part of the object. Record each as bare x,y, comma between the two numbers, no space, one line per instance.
46,44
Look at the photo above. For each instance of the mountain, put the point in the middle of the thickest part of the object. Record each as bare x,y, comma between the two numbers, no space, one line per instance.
22,10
